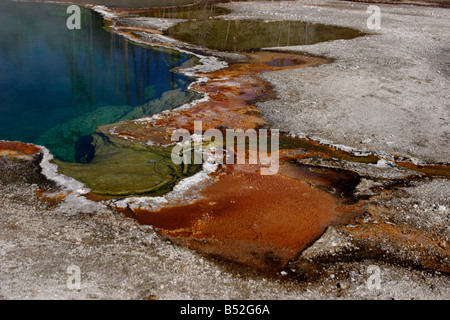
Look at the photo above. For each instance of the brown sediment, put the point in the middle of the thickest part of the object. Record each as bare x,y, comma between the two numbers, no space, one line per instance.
51,199
428,252
231,92
258,221
380,238
15,149
430,169
318,149
140,29
315,148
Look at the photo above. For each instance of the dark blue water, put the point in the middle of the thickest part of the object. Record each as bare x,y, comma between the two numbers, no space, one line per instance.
57,85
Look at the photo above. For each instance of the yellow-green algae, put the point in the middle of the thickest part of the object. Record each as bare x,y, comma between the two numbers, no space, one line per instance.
123,168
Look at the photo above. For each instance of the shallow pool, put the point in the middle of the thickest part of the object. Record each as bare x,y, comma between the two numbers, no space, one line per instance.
241,35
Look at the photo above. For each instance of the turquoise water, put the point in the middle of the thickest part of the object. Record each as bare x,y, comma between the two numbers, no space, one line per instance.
57,85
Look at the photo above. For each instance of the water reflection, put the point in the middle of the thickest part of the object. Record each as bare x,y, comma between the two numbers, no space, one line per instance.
238,35
58,85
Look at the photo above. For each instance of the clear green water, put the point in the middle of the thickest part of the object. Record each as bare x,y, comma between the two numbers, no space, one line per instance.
58,85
